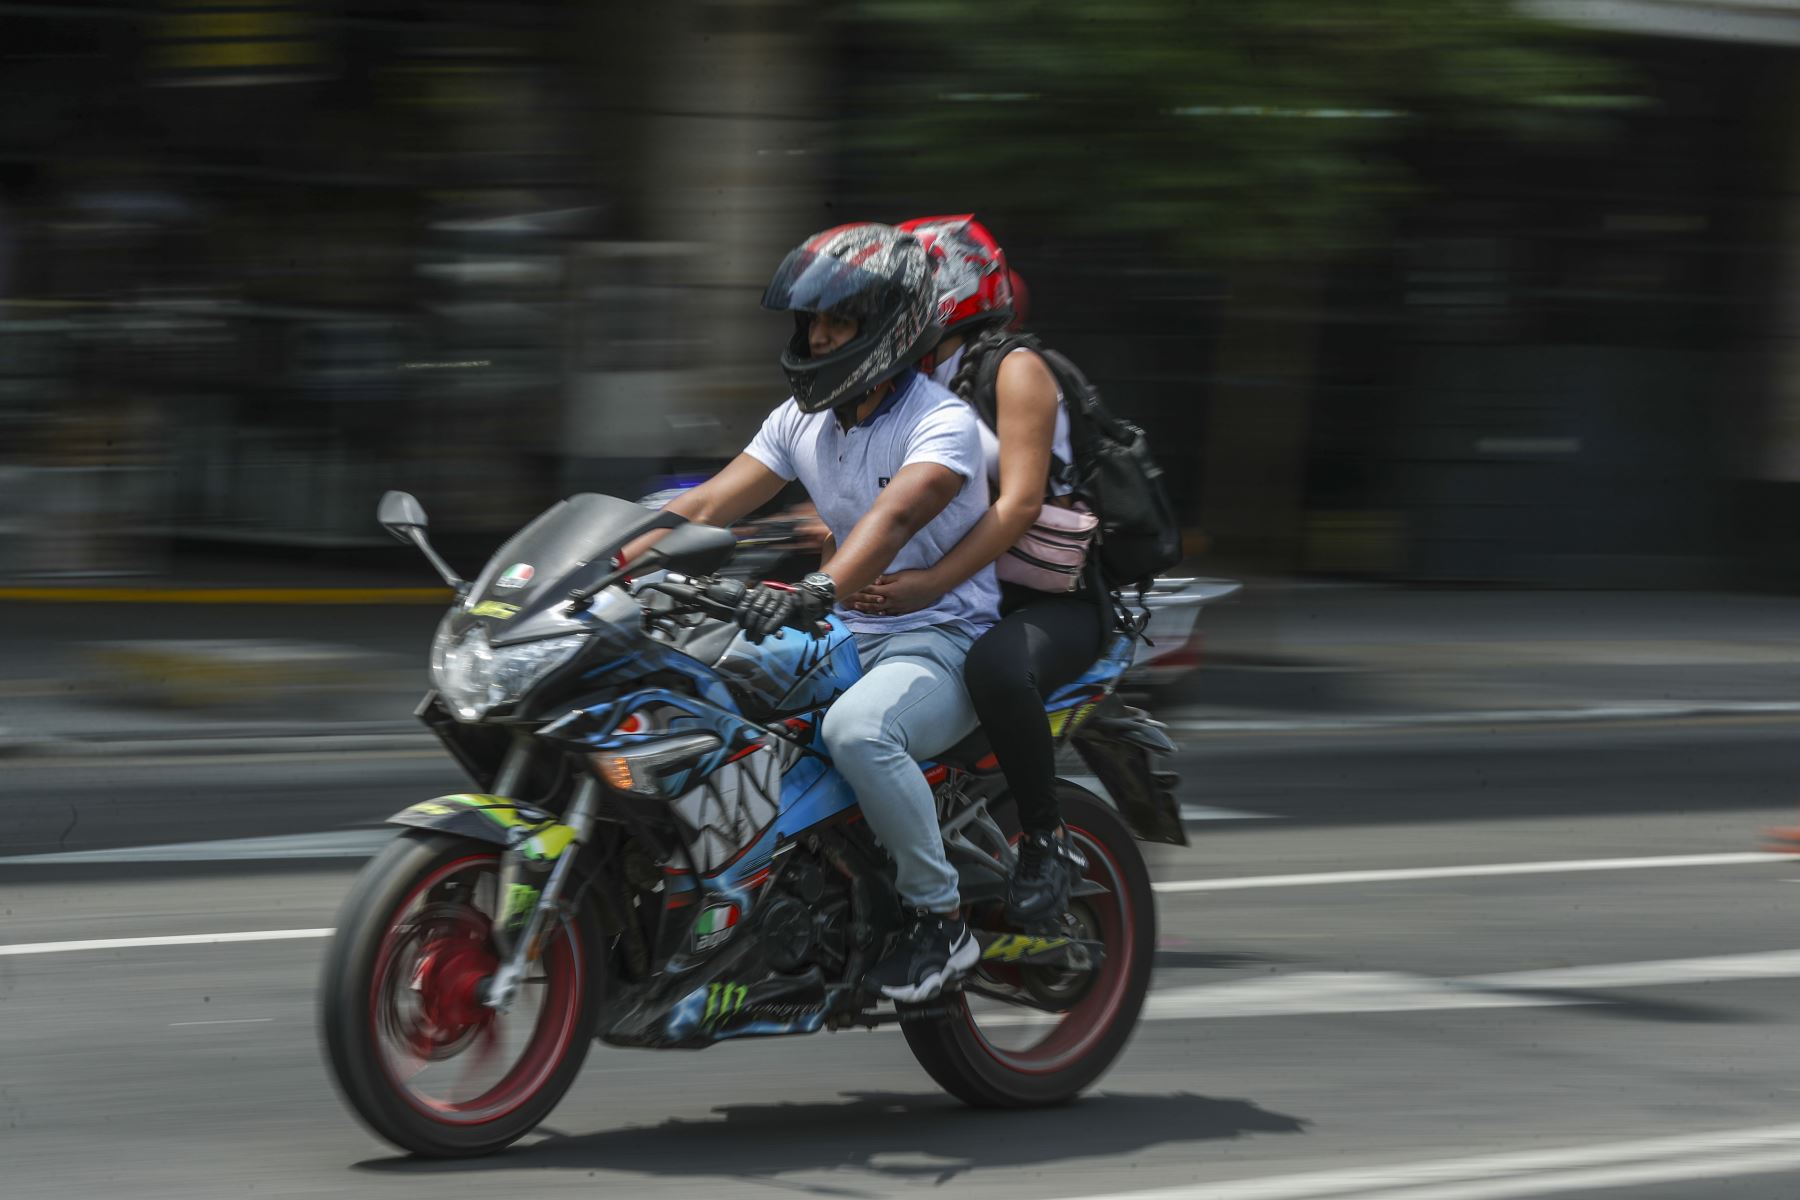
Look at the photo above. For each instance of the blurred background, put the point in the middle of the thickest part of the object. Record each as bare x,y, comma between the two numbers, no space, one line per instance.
1499,295
1468,332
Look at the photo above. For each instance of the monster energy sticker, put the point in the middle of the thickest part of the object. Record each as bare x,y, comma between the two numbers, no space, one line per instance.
723,1001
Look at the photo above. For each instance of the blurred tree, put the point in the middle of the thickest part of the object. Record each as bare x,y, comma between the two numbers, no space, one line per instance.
1258,138
1231,129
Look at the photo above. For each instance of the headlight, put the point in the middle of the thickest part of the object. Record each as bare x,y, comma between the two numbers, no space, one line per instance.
475,677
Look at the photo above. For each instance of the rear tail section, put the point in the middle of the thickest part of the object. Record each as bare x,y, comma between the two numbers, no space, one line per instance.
1121,745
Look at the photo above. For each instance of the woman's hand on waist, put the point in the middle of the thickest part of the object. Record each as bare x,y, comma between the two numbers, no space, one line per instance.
898,594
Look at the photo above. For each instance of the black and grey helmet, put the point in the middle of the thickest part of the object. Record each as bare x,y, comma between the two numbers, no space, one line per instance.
871,272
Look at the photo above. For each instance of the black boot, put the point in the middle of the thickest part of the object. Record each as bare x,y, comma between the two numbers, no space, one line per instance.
1048,868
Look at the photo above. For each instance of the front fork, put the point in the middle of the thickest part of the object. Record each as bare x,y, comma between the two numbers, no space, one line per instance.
504,985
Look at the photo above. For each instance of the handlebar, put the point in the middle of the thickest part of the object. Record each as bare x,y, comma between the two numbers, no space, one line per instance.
720,598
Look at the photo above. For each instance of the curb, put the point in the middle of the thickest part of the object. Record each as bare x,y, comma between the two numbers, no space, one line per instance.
235,595
12,746
1502,716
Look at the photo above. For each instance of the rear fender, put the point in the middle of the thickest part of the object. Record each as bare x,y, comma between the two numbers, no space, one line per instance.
1120,744
538,836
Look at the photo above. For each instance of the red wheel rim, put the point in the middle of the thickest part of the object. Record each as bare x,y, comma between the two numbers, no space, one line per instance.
424,1008
1084,1025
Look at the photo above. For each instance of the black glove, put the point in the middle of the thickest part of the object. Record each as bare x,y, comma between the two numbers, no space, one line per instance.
767,607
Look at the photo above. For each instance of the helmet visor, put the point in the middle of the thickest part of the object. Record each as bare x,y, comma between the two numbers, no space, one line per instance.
808,281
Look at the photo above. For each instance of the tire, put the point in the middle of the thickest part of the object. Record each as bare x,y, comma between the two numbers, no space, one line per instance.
361,998
966,1062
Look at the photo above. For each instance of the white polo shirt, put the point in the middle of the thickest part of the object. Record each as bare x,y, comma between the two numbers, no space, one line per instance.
844,470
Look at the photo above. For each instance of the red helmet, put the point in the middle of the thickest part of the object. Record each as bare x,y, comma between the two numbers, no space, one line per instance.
973,283
1021,305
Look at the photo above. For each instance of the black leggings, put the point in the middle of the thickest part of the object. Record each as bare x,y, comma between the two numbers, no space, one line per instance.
1040,645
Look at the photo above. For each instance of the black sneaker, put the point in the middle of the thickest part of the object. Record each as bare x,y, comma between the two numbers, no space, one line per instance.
1039,888
934,950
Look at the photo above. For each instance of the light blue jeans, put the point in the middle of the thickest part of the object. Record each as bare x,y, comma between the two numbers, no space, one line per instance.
910,704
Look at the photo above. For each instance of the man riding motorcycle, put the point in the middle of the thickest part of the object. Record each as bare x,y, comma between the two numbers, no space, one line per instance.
893,462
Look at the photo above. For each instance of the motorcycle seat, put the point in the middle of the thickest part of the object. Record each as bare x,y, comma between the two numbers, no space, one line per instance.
974,754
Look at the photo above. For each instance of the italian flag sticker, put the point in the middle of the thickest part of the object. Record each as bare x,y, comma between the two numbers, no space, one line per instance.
517,576
715,924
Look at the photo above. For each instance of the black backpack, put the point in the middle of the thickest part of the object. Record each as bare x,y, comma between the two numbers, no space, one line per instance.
1113,472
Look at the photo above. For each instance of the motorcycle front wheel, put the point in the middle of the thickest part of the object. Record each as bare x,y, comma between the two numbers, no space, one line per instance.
419,1058
1063,1029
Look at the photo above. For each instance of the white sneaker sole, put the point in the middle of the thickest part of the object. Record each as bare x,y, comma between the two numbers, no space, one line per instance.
961,959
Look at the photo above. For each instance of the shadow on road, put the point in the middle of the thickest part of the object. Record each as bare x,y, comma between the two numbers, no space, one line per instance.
897,1136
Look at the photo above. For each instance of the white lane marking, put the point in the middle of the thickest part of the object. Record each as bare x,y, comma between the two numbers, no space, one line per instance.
1517,1174
1326,993
1718,968
339,843
1332,993
1318,993
175,939
1207,812
1307,993
1475,870
234,1021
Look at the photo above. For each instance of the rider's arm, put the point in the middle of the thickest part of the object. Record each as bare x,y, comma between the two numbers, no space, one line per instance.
1025,397
728,497
916,494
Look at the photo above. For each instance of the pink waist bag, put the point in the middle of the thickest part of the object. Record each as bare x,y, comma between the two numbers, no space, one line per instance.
1050,555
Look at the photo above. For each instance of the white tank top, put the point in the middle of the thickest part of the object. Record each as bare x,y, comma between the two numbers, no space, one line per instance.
945,371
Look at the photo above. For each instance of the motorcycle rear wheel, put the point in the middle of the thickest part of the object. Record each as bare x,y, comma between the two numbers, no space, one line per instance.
400,997
975,1066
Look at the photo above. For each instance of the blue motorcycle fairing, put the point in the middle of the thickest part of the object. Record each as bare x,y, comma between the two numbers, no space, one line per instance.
775,705
793,671
1115,662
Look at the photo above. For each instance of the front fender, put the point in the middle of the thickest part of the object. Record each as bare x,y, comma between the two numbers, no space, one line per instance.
538,836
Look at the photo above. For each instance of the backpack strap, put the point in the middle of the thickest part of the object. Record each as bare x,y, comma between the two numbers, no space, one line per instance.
977,381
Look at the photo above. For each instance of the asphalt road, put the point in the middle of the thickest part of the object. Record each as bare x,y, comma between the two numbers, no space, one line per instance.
1432,1033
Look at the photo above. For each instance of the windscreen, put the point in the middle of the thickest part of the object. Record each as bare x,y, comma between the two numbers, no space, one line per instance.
568,546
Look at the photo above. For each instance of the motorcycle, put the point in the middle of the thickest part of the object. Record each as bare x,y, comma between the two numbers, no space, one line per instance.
660,854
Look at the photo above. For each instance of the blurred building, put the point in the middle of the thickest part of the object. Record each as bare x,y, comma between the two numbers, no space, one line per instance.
260,261
1589,377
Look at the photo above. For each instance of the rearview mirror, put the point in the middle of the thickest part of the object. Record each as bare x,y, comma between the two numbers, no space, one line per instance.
400,514
696,549
404,517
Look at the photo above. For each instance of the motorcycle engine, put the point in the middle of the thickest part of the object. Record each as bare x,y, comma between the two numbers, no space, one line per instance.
806,921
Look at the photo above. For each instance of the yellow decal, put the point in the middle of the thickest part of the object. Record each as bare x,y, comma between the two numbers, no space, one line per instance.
549,842
1013,947
1069,718
497,809
493,608
519,899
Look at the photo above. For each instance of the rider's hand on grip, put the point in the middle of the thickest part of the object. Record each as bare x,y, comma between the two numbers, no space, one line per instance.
770,606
